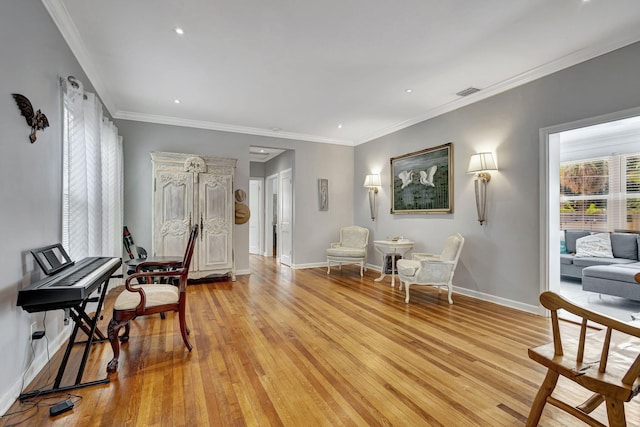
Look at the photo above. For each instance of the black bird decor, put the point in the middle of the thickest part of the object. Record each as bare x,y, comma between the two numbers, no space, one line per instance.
37,120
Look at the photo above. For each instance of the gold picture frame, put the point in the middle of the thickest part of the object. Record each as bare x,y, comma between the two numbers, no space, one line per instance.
422,181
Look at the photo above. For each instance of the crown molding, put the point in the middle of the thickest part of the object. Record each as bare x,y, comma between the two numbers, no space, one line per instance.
71,35
200,124
559,64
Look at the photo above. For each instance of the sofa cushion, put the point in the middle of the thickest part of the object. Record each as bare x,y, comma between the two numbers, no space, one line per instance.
621,273
570,237
624,245
595,245
592,260
566,259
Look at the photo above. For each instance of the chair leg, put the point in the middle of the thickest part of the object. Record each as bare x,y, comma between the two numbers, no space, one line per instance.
544,392
361,269
184,330
328,266
615,413
450,287
112,333
125,336
406,290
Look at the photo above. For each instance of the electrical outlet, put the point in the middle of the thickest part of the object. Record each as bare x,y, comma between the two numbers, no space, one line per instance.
34,327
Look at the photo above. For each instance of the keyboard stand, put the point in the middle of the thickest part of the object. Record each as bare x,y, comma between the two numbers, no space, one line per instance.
89,326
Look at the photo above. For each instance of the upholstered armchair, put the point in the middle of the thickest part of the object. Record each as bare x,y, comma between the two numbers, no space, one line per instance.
432,269
352,248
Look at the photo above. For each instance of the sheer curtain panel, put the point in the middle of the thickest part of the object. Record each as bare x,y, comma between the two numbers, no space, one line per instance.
92,176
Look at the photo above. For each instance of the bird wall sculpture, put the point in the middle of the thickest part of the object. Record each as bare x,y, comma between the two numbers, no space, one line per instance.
37,121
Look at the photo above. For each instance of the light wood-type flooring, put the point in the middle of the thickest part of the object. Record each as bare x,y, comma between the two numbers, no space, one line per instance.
286,347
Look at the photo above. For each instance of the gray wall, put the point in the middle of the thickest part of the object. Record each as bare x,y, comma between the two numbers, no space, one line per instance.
256,169
34,56
142,138
500,260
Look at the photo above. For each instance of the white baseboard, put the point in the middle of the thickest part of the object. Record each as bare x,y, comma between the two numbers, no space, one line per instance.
309,265
498,300
39,363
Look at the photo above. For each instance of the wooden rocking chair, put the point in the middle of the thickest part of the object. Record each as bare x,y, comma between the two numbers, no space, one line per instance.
151,298
607,363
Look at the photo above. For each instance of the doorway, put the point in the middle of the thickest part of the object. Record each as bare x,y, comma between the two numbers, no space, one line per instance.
593,138
256,220
271,216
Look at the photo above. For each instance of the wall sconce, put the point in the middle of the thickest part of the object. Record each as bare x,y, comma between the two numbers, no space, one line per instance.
372,182
481,163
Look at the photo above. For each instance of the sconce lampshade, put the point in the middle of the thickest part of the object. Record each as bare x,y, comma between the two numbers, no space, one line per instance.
481,162
372,181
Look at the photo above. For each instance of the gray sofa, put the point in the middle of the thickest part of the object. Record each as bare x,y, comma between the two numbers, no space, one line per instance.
611,276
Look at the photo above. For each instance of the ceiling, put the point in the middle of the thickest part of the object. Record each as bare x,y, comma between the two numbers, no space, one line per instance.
335,71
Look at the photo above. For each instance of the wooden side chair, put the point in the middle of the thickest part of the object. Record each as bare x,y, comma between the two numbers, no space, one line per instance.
151,298
607,363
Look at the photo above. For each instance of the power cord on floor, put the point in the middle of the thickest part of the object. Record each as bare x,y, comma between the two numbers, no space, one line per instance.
37,402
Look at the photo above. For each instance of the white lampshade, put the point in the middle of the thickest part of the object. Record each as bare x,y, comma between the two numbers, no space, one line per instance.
372,181
481,162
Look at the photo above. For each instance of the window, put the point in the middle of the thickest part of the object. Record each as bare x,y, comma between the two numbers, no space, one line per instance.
92,177
600,194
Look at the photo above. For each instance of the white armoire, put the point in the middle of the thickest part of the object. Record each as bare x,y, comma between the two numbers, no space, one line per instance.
192,189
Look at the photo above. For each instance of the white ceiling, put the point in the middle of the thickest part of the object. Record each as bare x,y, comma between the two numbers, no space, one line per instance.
299,69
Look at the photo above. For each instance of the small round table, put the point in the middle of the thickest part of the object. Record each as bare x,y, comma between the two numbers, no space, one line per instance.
391,248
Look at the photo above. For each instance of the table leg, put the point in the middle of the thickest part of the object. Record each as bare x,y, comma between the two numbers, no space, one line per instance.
382,275
393,268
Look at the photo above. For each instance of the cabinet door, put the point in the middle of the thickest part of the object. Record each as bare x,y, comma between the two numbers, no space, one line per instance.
173,212
216,219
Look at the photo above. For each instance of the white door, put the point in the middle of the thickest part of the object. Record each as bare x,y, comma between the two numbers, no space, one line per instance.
285,237
256,202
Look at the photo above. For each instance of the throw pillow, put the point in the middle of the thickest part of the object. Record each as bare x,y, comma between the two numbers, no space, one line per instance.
595,245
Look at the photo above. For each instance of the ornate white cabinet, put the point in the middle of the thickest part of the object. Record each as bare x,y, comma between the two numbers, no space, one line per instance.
191,189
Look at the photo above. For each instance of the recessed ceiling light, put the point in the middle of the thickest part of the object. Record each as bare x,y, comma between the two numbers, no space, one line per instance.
340,126
176,101
408,90
179,31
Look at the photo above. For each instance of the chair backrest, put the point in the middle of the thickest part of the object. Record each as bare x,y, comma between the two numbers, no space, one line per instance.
629,363
452,248
188,254
354,237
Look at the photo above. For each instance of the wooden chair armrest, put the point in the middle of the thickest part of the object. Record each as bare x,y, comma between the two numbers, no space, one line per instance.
150,265
149,274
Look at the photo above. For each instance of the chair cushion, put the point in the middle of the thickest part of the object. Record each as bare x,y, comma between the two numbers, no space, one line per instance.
342,251
407,267
155,294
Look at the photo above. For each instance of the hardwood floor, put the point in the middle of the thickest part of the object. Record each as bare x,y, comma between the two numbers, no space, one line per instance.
300,348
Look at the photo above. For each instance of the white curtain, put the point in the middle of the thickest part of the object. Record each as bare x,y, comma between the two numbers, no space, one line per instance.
92,177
